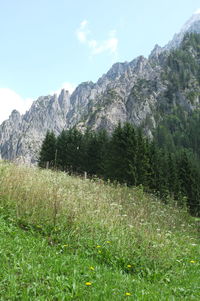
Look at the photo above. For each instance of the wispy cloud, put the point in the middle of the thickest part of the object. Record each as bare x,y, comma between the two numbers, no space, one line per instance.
82,32
10,100
109,45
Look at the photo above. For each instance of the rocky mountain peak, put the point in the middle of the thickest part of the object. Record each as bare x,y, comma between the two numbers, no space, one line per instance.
116,70
64,99
15,115
192,25
155,52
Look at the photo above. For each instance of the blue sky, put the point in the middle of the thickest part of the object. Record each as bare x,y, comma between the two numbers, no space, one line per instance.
50,44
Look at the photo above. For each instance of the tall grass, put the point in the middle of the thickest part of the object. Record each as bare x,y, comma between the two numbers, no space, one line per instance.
116,224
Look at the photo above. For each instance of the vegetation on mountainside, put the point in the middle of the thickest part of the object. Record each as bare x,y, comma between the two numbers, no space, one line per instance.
67,238
182,69
180,130
128,158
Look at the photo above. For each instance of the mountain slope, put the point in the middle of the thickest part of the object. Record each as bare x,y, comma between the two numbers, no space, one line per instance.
57,233
141,92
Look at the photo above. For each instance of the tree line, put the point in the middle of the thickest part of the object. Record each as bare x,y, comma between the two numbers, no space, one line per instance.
127,157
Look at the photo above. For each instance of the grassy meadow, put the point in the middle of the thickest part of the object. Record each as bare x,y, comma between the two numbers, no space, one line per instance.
67,238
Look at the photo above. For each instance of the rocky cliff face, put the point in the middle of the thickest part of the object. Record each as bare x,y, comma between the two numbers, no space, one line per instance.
21,136
192,25
131,91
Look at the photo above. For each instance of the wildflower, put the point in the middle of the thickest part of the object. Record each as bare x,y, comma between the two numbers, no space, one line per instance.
99,251
108,242
64,246
88,283
129,266
92,268
192,261
127,294
98,247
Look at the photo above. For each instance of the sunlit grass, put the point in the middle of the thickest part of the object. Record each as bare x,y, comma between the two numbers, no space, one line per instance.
104,241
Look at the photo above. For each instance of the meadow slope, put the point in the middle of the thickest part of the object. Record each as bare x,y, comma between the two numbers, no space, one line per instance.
67,238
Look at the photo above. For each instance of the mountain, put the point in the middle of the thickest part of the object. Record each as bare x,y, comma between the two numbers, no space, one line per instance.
191,26
141,91
21,136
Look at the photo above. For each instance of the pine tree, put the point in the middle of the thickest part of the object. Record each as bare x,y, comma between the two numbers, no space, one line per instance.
102,151
142,159
172,176
153,173
48,151
61,151
95,147
121,164
69,151
189,181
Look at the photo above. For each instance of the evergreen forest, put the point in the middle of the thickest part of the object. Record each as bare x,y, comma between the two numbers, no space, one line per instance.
163,166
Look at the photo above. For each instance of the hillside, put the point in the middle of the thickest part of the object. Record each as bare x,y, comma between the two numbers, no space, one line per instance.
141,92
66,238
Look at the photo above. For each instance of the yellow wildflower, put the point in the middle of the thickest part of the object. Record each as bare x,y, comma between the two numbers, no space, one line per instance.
88,283
92,268
127,294
129,266
99,252
192,261
98,247
65,246
108,242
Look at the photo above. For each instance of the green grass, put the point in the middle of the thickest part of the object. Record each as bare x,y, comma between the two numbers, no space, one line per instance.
58,232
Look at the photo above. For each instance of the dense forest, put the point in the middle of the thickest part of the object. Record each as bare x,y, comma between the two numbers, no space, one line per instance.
127,157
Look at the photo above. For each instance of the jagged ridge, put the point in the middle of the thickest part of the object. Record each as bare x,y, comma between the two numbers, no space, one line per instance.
131,91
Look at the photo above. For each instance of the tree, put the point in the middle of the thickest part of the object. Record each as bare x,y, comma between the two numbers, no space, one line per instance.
121,160
142,159
189,177
61,153
48,151
69,146
95,151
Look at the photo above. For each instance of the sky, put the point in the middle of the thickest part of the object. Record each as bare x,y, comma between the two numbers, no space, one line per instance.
46,45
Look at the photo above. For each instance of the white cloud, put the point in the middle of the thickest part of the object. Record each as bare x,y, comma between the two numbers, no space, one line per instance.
197,11
82,32
108,45
97,47
67,86
10,100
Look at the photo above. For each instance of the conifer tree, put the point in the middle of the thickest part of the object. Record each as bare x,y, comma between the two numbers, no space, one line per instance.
48,151
172,176
95,148
142,159
69,146
122,152
61,150
189,181
153,174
